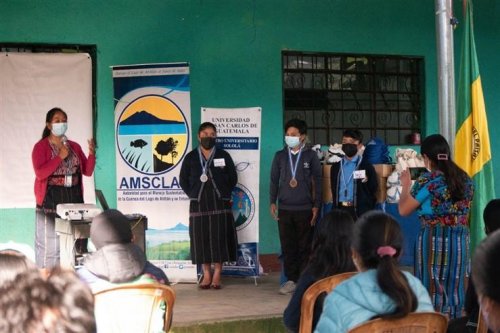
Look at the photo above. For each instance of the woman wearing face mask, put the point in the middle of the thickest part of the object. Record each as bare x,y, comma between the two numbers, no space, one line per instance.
295,185
59,165
353,180
442,198
208,176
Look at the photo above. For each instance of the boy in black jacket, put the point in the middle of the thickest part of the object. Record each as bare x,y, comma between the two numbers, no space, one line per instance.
353,181
296,186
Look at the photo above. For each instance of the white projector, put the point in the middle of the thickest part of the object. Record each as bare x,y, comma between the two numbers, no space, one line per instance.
77,211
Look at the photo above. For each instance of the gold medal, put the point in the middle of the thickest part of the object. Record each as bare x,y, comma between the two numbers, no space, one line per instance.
293,183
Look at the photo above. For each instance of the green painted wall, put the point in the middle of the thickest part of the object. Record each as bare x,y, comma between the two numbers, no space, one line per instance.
234,47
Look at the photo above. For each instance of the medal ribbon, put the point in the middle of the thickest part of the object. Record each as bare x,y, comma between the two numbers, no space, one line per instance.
293,168
203,162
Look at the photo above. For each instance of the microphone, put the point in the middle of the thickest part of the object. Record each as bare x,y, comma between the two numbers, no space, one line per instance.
64,140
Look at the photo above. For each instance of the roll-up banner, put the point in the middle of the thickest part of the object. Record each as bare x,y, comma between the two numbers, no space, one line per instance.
238,132
152,128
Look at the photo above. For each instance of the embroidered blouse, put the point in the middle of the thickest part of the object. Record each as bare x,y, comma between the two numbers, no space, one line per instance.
436,204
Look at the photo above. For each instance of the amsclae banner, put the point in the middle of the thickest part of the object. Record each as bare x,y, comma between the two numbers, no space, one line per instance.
238,132
152,118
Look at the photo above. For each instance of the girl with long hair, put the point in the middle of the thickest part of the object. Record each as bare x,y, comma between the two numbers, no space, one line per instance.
330,255
380,289
442,198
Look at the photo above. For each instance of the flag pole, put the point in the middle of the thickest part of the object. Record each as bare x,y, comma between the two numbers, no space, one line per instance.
446,71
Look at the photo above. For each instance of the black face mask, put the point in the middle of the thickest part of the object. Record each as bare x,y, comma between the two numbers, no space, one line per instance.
207,142
350,149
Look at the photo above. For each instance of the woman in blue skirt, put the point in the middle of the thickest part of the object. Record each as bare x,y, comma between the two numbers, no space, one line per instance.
442,197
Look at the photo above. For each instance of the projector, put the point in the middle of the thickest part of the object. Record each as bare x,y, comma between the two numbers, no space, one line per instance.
79,211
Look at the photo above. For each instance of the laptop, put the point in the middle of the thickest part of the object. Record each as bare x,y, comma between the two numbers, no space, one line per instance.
101,199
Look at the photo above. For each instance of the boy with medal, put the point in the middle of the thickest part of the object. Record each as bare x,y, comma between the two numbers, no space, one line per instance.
295,198
353,180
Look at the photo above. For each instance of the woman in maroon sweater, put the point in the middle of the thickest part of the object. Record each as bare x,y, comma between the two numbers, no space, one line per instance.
59,165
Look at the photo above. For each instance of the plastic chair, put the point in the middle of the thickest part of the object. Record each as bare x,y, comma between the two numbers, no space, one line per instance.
134,308
309,298
481,325
415,322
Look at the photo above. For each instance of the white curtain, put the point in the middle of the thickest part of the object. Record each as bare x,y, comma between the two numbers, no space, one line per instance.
30,85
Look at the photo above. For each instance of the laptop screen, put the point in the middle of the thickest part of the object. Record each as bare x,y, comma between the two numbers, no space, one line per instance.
101,199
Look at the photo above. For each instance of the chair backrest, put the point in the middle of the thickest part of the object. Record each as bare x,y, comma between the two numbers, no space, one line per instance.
312,293
481,324
137,308
415,322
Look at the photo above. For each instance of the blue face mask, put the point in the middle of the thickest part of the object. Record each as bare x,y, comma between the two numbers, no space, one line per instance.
292,141
58,129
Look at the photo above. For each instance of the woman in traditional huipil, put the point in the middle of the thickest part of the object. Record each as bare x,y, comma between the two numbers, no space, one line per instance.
208,176
442,197
59,166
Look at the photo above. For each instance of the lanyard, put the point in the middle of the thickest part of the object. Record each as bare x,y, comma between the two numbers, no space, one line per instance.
293,168
352,174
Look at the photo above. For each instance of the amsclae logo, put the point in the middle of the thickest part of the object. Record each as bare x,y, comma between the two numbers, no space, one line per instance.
152,134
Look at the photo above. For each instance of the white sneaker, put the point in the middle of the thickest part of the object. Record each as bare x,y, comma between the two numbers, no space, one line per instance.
287,288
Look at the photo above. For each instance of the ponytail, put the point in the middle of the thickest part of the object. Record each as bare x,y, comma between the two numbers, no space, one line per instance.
455,178
395,285
436,148
378,239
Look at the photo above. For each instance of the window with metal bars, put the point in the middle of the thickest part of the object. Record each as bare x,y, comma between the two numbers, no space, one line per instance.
381,95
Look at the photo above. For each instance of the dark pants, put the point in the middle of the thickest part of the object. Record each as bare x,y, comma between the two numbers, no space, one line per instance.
295,237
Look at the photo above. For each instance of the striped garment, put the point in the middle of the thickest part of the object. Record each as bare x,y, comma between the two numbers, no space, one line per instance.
442,263
442,260
211,228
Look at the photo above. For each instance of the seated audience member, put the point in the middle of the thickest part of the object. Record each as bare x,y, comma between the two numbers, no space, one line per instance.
16,247
13,263
381,289
486,275
61,303
468,323
330,255
117,259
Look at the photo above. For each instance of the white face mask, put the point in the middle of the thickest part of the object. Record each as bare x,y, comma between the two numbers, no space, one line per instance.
292,141
58,129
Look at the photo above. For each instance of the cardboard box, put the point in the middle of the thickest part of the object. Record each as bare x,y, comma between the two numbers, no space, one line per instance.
327,191
383,170
382,189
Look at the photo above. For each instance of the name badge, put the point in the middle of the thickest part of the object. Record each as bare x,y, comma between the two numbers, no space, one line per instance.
359,174
68,181
219,162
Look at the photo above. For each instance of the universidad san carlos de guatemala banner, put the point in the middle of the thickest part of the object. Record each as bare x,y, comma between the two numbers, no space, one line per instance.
238,132
152,128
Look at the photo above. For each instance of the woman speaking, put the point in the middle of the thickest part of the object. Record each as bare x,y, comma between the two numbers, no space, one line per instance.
59,165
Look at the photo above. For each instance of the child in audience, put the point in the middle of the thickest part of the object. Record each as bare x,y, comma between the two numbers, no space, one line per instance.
486,275
468,323
32,304
330,255
381,289
13,263
117,259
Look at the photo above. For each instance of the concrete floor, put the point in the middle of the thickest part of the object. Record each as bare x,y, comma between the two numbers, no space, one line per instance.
238,299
